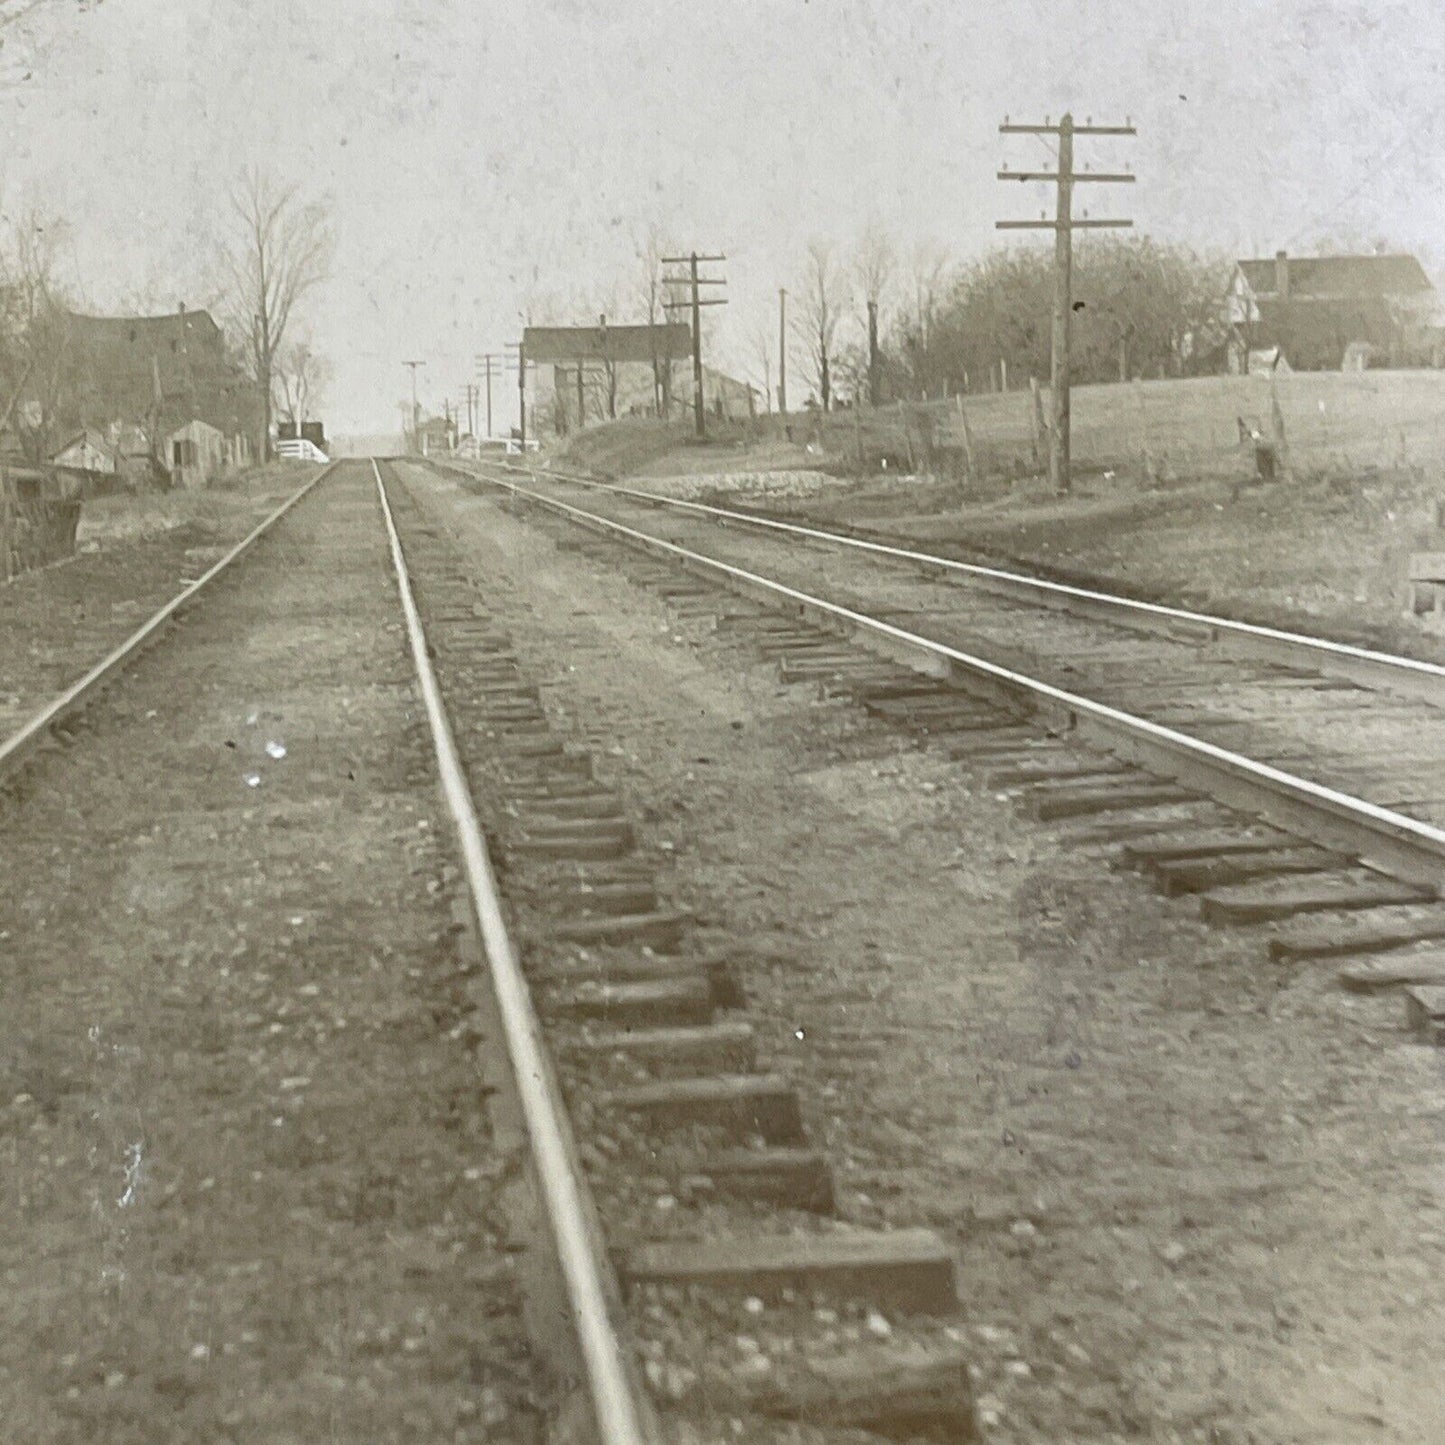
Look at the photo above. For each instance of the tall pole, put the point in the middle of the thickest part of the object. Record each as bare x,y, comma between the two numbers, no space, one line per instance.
783,353
522,398
489,395
415,409
695,303
1063,226
698,413
1059,473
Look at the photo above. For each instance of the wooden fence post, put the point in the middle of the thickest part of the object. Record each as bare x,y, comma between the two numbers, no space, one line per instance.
1146,461
1037,418
7,528
967,437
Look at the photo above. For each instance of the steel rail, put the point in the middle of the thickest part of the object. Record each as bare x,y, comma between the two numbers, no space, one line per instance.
564,1195
1363,666
1384,839
20,744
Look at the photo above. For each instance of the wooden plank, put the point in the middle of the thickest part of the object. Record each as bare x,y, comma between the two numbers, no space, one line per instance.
1200,875
721,975
793,1178
615,899
1172,845
1349,935
1369,975
1052,803
763,1104
684,999
898,1392
730,1044
661,930
1283,898
905,1268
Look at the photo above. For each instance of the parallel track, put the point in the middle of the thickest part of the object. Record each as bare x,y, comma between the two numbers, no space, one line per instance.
1383,837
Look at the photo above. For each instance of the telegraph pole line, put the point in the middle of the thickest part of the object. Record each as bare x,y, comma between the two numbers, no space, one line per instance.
1064,224
694,282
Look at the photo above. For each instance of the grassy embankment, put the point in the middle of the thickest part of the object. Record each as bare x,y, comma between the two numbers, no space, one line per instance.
1160,507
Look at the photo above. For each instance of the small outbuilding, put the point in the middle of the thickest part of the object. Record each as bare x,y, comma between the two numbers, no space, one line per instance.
197,453
88,451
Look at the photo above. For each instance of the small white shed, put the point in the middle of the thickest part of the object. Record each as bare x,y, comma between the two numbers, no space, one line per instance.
196,453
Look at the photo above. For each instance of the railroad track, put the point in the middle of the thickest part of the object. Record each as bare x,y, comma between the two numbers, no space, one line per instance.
345,545
992,739
692,1177
645,1014
708,1184
1282,778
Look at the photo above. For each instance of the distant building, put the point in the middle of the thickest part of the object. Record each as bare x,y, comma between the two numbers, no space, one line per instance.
603,371
157,371
1314,309
434,437
196,453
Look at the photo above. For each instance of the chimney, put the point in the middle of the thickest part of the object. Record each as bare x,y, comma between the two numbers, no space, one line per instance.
1281,274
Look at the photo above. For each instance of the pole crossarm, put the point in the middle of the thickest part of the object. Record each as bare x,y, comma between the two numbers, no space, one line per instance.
688,260
1117,177
1071,225
1009,128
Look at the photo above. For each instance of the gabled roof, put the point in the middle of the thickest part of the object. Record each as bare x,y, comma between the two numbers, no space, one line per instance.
87,434
1334,277
171,323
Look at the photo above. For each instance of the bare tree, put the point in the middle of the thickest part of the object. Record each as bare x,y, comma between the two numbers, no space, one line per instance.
873,267
823,299
301,373
282,252
36,367
762,341
650,251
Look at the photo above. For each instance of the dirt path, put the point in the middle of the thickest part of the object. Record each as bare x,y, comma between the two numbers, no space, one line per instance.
1195,1197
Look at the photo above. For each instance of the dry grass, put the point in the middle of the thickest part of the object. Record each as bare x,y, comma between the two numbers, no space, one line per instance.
110,521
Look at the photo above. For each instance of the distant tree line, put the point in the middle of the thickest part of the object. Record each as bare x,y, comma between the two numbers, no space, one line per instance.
872,324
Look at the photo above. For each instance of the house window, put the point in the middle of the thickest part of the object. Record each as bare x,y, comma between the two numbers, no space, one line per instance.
183,453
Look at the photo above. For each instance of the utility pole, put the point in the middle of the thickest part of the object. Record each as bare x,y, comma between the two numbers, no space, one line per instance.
486,359
415,411
521,394
695,282
783,354
1064,224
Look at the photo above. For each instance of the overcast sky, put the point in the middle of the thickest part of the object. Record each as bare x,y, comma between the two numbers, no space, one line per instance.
481,157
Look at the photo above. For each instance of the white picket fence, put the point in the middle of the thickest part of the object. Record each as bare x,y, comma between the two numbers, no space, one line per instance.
294,449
